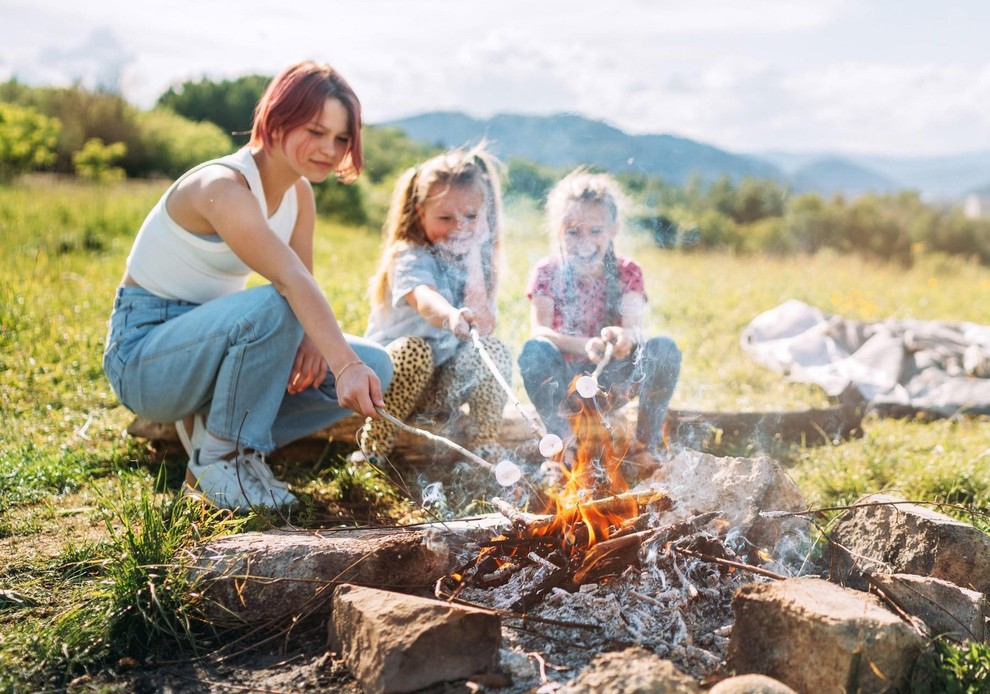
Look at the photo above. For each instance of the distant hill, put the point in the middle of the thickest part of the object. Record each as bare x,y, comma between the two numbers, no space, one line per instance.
834,175
567,140
938,176
947,177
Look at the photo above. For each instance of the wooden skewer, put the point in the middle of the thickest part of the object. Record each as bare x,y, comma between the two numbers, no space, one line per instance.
486,357
478,460
606,358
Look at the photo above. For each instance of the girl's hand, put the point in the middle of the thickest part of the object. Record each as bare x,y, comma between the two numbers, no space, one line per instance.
359,389
459,322
594,349
308,370
623,342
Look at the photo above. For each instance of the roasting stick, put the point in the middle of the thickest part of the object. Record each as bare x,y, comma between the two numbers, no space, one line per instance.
550,444
506,472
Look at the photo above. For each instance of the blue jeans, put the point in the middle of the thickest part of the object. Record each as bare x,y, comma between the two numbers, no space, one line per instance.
229,358
651,371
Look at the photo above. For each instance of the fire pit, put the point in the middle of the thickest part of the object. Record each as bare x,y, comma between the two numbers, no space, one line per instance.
604,567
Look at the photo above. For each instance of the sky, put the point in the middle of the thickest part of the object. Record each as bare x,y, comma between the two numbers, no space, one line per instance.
887,77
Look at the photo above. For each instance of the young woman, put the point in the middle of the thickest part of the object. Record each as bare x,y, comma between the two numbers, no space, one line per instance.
263,366
436,281
584,297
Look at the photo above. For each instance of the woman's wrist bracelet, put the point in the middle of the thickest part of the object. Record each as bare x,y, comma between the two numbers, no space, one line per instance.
346,367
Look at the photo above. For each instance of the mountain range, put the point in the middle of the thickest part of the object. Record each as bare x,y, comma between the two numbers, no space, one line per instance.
567,140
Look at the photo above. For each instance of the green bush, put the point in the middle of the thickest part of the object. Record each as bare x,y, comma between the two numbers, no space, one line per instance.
27,140
84,115
341,202
813,224
170,144
95,161
770,235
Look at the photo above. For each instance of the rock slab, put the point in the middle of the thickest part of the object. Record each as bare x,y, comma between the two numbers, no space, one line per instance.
741,490
883,533
400,643
945,608
815,636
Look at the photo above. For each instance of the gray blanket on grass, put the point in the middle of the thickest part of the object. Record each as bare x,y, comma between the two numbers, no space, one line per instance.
898,366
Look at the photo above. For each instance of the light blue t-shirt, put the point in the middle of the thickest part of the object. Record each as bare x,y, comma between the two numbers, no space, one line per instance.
415,266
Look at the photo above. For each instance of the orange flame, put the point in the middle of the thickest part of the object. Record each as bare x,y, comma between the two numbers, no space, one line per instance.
594,474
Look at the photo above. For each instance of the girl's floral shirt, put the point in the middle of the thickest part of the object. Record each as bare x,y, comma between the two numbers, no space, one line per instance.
580,305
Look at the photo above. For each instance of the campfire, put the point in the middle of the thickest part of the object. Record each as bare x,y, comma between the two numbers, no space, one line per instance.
605,566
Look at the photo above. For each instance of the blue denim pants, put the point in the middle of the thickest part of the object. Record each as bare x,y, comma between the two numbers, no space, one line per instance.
229,358
651,371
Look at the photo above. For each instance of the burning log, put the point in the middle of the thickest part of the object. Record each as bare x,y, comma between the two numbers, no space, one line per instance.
601,557
612,505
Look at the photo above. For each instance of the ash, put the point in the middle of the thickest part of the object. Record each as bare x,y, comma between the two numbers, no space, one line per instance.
675,606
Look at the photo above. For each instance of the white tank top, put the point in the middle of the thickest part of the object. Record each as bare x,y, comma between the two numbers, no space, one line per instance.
174,263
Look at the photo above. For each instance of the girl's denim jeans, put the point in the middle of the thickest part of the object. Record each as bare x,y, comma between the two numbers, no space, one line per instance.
651,371
229,358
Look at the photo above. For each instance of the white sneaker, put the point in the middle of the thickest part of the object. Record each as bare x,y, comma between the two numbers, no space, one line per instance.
256,465
191,440
233,484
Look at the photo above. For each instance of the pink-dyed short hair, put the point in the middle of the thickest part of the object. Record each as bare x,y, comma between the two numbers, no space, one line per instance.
296,96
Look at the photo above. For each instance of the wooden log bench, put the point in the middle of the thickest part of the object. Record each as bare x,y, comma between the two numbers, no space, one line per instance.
694,429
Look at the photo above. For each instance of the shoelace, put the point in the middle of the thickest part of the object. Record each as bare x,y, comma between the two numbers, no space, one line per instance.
256,464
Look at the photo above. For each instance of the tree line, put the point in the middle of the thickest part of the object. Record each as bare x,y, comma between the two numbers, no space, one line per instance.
99,136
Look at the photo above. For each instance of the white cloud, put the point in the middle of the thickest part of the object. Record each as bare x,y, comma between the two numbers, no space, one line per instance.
781,74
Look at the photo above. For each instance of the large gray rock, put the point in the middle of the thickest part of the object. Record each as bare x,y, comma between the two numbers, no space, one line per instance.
815,636
632,671
262,576
400,643
945,608
884,534
740,490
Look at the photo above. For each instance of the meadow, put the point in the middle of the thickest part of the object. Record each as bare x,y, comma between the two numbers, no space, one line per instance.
77,493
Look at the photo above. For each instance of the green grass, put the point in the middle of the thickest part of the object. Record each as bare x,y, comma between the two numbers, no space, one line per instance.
66,466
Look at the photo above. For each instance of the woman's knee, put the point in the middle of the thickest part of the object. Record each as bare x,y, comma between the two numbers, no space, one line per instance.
267,308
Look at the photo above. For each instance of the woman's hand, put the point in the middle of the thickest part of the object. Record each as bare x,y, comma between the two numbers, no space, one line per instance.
622,340
359,389
308,370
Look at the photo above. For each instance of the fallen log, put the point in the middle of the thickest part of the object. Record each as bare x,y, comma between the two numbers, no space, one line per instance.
812,427
695,429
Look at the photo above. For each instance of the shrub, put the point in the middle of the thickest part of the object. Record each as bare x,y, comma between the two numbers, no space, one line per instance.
95,161
170,144
27,140
341,202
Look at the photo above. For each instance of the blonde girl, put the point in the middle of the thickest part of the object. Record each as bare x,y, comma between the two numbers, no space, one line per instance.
584,296
437,279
